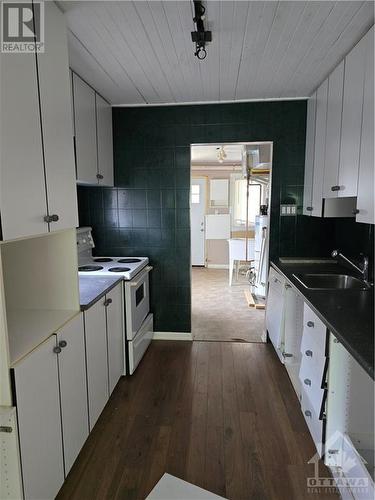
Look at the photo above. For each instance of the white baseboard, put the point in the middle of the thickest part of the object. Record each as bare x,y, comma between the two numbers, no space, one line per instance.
218,266
173,336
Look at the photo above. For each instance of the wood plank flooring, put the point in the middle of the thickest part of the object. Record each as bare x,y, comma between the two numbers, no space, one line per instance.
221,415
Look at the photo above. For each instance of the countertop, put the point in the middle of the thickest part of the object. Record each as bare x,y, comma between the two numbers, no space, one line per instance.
92,288
348,314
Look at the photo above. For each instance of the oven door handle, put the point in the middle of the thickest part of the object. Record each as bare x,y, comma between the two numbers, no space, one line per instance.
146,271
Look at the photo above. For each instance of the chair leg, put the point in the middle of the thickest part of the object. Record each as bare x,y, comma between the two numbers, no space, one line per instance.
231,262
237,269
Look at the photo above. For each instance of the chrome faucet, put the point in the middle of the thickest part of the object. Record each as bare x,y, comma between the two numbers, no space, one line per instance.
364,270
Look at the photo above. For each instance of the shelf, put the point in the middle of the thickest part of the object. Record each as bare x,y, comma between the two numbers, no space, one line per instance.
28,328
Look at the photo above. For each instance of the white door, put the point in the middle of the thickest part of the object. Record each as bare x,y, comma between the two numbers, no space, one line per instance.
39,422
97,362
115,335
55,100
105,141
85,129
22,191
198,211
73,389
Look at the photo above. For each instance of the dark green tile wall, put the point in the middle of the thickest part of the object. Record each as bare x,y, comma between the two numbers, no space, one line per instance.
147,213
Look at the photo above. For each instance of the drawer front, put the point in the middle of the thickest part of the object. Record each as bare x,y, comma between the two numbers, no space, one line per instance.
313,423
312,354
314,328
311,376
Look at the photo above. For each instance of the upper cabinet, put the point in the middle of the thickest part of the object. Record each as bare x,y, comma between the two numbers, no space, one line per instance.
351,120
37,191
93,135
339,169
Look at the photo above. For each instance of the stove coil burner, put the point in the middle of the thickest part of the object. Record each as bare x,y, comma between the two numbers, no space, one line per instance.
87,269
128,261
103,259
119,269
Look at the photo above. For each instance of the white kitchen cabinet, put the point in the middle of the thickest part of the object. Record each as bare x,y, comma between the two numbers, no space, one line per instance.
115,335
39,422
352,119
104,141
319,149
366,195
85,131
96,359
55,99
73,389
333,136
309,155
22,190
275,310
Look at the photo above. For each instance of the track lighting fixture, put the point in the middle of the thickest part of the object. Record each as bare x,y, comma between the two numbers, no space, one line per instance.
200,37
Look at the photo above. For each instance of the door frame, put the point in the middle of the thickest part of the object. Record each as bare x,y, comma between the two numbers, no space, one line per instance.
201,177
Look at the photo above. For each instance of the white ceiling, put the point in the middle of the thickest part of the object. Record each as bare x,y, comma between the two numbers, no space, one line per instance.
140,52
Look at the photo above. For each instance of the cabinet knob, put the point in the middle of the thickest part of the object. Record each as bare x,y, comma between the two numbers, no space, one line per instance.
107,302
308,413
307,381
57,350
310,324
309,209
335,188
309,353
355,211
63,343
287,355
51,218
99,176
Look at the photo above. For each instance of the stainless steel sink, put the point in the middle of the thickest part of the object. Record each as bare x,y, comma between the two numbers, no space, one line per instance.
331,282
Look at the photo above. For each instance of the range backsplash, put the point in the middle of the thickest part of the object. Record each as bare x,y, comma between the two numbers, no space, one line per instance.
147,213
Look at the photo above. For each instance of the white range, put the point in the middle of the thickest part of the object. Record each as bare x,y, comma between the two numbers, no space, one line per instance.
135,272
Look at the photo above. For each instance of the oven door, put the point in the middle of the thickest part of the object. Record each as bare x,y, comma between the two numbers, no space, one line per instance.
137,302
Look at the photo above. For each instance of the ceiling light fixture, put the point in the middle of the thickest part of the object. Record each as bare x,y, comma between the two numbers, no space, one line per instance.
221,154
200,37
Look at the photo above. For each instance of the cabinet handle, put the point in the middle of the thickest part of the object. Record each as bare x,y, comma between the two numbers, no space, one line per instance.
63,343
335,188
310,324
307,381
6,428
57,350
107,302
309,209
287,355
51,218
308,413
309,353
355,211
99,176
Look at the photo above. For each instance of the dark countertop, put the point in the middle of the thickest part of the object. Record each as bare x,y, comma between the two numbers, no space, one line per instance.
348,314
92,288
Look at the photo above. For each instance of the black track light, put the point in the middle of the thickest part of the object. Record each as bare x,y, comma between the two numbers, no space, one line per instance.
200,37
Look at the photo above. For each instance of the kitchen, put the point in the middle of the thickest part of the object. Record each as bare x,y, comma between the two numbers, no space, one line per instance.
102,389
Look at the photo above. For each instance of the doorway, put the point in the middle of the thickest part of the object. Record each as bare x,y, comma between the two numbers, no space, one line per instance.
230,200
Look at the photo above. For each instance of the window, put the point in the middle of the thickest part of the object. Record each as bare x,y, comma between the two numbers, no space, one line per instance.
240,202
195,193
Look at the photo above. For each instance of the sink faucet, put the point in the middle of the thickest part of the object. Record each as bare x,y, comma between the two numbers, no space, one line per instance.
364,270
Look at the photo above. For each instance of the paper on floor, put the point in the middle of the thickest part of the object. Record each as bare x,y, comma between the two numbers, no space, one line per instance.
172,488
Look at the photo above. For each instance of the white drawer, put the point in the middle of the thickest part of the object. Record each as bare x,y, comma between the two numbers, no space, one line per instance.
313,423
311,376
311,354
314,328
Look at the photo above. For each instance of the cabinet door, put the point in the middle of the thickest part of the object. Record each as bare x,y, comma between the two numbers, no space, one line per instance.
352,120
275,310
96,358
39,422
105,141
55,101
332,146
366,195
319,149
115,335
309,155
22,191
85,129
73,389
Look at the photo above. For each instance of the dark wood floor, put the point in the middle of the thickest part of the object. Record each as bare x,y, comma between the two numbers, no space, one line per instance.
223,416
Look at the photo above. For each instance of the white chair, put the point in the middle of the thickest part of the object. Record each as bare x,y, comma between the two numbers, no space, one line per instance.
237,252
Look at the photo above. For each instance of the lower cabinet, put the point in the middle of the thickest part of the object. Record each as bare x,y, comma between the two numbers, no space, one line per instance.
115,335
51,400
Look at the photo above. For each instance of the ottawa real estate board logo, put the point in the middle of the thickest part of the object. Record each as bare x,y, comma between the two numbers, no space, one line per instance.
22,27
